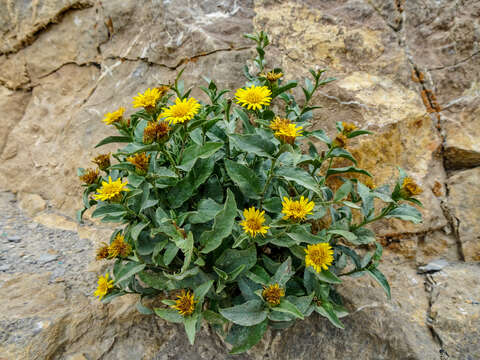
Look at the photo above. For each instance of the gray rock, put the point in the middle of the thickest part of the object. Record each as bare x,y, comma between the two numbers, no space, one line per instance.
433,266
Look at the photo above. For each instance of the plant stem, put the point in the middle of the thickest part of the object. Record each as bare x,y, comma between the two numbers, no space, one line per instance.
269,179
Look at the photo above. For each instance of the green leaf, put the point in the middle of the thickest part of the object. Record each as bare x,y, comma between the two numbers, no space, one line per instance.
155,280
381,279
258,275
222,226
137,229
128,270
231,259
245,178
202,290
213,318
301,235
327,310
183,275
343,191
142,309
170,253
287,307
283,88
348,169
283,273
358,133
364,236
251,143
194,152
406,212
109,209
245,337
340,152
327,276
349,236
206,211
249,313
320,135
169,315
114,139
190,323
299,176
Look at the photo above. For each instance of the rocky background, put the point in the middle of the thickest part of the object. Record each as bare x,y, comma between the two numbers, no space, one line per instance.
407,70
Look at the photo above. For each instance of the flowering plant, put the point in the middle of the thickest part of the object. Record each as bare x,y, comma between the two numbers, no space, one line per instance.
225,219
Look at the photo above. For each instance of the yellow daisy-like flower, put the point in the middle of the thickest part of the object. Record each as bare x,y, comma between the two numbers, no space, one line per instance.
319,256
111,190
140,161
119,247
272,294
253,223
181,111
89,176
113,117
254,97
272,76
185,303
410,188
279,123
104,285
288,133
348,127
148,99
297,209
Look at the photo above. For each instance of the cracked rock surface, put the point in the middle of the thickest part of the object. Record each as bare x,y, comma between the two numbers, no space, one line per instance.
407,70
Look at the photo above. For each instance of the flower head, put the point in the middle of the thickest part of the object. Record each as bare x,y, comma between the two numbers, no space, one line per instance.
288,133
140,161
297,209
340,141
111,190
113,117
185,303
102,161
163,89
348,128
272,294
89,176
104,285
148,99
410,188
119,248
254,97
102,252
272,75
253,223
319,256
181,111
279,123
155,131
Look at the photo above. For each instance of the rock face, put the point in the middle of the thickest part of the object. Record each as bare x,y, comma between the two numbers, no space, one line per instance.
407,70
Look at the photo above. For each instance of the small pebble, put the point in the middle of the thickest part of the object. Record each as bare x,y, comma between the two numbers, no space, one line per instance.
14,239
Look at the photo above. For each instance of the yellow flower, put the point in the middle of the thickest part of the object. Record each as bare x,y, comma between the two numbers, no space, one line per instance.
155,131
102,161
319,256
340,141
104,285
185,303
148,99
288,132
119,247
272,75
272,294
102,253
181,111
116,116
111,190
297,209
410,188
89,176
279,123
140,161
254,97
253,222
348,128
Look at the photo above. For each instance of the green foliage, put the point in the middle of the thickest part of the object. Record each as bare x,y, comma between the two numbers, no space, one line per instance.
182,216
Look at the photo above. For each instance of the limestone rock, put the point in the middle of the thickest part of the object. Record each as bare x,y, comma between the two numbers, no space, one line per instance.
463,204
32,203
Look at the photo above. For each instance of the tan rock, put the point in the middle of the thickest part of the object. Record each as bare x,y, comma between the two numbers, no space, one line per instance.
463,204
32,203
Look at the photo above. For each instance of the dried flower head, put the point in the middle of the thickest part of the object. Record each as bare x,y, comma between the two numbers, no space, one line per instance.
104,285
102,161
254,97
119,248
297,209
272,294
114,117
185,303
253,223
272,75
163,89
181,111
89,176
156,131
348,128
340,141
111,190
319,256
140,161
102,252
410,188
